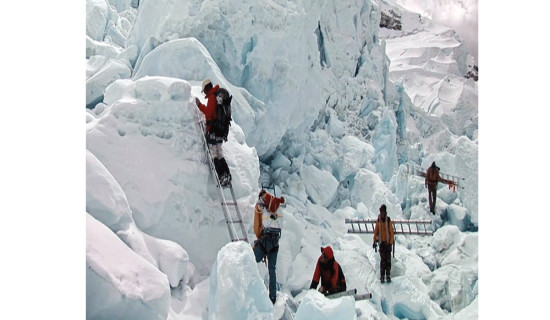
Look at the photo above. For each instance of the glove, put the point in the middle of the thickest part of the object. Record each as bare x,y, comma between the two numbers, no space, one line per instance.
374,245
314,285
273,216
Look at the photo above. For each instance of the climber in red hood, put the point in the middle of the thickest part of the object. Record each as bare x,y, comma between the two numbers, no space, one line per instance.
330,272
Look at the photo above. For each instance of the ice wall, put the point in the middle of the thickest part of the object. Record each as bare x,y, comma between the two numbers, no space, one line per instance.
119,283
286,54
236,289
147,137
316,307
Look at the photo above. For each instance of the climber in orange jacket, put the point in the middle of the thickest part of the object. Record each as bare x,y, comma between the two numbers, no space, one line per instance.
329,272
383,232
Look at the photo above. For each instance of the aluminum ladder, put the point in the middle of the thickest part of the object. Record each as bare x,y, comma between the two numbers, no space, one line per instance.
416,227
230,220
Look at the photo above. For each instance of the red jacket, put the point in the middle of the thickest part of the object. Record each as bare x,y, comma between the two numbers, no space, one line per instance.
330,273
209,109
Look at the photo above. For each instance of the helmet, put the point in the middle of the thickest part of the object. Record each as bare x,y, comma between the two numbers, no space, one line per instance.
205,82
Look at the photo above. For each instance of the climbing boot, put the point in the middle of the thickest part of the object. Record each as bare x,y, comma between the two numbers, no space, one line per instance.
224,180
225,169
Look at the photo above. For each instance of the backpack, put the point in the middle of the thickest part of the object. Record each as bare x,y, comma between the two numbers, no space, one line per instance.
220,126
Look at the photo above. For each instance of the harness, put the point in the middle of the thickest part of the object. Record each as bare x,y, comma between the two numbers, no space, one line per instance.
387,235
271,229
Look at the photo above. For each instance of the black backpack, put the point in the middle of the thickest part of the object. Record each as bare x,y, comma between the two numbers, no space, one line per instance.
220,126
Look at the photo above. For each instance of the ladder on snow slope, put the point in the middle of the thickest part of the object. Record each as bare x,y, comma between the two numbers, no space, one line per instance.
230,221
416,227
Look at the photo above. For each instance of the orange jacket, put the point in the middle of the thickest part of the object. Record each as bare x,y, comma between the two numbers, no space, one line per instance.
209,109
383,231
258,221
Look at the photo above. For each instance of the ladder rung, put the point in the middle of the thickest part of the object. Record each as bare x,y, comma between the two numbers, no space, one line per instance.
230,203
234,221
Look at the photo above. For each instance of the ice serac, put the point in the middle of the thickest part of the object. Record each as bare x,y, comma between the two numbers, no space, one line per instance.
287,55
315,306
321,186
385,143
357,154
108,24
106,201
119,283
148,138
434,67
405,298
107,74
236,289
188,59
97,12
370,190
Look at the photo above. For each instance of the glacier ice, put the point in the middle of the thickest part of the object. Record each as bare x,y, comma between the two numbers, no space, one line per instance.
315,306
324,109
236,289
119,283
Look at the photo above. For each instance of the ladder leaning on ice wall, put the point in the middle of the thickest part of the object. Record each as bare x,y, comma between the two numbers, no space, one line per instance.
231,221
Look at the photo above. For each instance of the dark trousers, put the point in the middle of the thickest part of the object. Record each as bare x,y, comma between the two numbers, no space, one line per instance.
385,260
271,261
221,167
432,195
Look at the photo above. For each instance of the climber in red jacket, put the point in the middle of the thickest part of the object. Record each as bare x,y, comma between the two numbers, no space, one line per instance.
330,272
214,142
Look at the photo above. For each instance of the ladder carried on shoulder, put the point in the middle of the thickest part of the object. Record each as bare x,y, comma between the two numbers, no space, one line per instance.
416,227
418,171
234,222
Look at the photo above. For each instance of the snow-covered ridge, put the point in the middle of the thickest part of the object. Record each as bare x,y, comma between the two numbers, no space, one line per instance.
317,114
